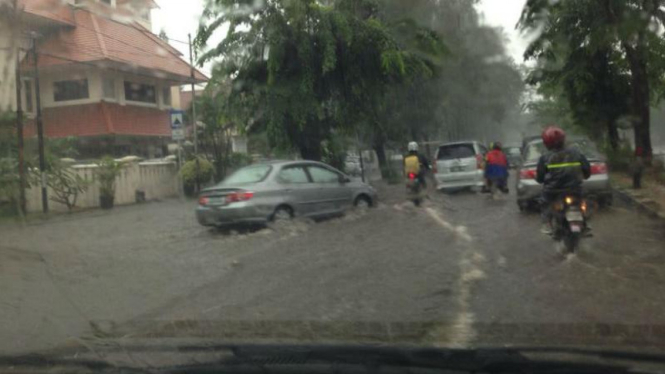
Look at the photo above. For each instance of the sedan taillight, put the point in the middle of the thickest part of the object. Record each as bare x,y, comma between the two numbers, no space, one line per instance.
598,168
204,200
528,174
239,196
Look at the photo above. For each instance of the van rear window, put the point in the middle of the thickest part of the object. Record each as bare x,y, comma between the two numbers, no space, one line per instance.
455,151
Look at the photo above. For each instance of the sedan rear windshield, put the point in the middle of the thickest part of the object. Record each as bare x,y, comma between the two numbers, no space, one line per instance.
248,175
536,149
455,151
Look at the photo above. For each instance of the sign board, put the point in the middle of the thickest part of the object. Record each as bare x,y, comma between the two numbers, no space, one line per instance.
177,125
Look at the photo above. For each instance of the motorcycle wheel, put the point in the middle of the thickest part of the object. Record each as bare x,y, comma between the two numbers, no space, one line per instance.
571,241
416,202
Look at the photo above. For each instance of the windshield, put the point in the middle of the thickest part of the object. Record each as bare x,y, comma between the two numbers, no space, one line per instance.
190,177
456,151
514,151
586,147
248,175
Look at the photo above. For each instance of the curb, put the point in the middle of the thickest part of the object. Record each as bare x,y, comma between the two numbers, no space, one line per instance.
641,207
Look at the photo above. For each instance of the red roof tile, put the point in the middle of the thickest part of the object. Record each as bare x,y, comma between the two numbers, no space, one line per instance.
102,119
97,39
50,9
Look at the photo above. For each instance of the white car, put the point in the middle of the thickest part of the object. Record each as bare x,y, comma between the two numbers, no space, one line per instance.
460,165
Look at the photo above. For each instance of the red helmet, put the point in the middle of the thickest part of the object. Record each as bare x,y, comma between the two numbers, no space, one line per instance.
554,137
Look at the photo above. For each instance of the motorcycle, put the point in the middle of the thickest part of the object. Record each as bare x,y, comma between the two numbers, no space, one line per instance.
570,221
414,189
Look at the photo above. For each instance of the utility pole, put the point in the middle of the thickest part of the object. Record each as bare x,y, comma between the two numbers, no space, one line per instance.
195,127
19,118
40,127
19,133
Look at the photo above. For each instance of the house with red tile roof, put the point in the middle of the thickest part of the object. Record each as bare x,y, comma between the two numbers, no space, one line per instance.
105,78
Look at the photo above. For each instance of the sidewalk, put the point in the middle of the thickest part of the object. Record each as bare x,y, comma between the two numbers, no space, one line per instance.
651,196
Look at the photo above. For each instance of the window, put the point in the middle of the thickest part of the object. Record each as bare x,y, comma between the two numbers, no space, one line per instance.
166,96
107,2
321,175
27,90
514,151
534,151
108,89
248,175
70,90
455,151
140,92
293,175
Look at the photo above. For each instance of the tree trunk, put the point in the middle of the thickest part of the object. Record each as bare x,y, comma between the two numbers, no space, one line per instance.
613,134
383,160
640,98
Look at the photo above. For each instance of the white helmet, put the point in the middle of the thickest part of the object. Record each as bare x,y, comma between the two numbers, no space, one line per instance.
413,147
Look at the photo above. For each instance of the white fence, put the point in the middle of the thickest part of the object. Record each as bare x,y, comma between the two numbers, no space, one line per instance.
157,180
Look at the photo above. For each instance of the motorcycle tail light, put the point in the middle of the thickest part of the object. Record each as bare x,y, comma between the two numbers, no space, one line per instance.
412,176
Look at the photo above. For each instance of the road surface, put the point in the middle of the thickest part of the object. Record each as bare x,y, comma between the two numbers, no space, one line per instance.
462,271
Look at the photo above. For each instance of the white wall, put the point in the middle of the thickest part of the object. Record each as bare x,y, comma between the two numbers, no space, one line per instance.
158,180
95,77
7,68
8,44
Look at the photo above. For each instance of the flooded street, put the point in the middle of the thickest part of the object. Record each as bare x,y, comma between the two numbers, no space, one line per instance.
462,271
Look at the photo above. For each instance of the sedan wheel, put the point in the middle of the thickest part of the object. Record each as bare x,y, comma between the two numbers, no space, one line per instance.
362,203
282,214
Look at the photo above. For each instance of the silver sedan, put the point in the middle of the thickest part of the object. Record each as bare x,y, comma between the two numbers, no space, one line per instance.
281,190
529,191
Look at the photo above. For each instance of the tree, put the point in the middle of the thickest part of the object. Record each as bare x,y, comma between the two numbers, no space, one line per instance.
162,35
474,91
65,184
600,51
301,69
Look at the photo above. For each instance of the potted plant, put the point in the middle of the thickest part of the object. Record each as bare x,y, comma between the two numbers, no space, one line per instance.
108,170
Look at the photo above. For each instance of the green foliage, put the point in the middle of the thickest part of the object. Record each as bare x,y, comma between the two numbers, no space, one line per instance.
66,185
335,151
620,158
392,174
108,169
239,160
300,70
605,57
189,175
9,185
658,171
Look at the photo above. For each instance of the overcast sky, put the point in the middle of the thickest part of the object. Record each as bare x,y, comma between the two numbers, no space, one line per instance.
180,17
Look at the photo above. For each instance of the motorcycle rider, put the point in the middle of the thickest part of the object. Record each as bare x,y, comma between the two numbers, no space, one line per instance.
496,167
416,163
560,170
